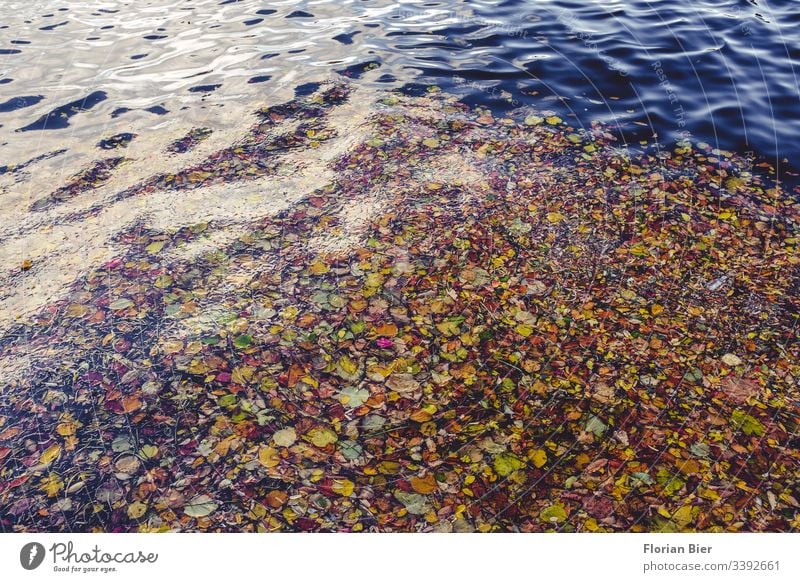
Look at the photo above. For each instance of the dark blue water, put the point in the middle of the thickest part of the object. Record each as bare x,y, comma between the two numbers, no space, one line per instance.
722,72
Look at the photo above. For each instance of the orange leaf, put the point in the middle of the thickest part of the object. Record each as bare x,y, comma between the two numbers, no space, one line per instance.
295,372
421,416
131,404
424,485
386,330
276,499
357,305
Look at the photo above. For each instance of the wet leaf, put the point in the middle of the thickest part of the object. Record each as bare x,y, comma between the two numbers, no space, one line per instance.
343,487
285,437
507,463
121,304
322,437
137,509
50,455
554,514
538,457
268,456
200,506
414,503
424,485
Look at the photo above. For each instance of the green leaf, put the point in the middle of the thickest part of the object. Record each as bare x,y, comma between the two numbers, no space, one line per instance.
507,463
200,506
554,514
353,397
243,341
227,400
596,426
415,503
747,424
121,304
701,450
350,450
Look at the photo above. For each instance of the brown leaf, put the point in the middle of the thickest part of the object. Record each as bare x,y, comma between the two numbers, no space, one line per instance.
739,389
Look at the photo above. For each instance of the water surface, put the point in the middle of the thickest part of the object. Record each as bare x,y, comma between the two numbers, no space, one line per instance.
721,72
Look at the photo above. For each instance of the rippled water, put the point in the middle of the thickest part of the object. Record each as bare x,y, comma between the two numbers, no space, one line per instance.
719,71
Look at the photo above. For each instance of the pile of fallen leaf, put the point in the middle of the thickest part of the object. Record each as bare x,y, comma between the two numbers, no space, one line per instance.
561,338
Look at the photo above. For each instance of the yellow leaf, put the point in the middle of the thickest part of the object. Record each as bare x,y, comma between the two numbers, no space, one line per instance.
553,120
683,516
507,463
66,428
136,510
664,513
50,455
242,374
198,176
389,467
538,457
348,366
449,327
268,456
343,487
51,484
318,268
76,310
656,309
322,437
555,217
524,329
591,525
155,247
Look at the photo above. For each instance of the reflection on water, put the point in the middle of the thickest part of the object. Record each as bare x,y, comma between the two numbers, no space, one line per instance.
720,72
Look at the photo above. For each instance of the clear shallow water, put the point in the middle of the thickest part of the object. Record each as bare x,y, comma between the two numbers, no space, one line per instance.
722,72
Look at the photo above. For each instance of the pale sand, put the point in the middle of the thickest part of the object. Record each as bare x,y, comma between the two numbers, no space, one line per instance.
62,253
